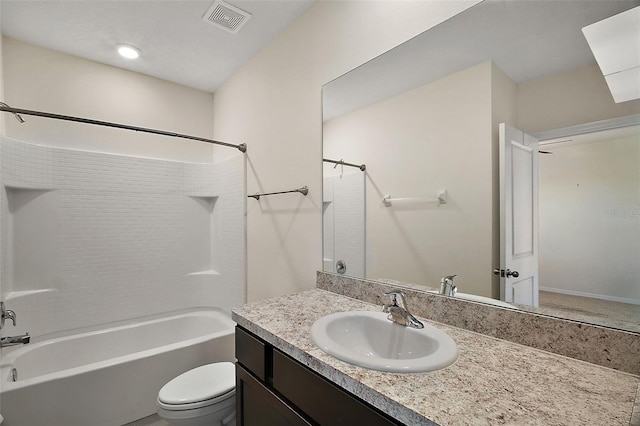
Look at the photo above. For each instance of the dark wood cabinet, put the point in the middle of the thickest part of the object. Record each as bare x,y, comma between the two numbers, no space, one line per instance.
274,389
256,404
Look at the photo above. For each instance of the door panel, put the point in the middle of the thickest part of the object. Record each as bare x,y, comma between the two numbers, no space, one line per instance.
522,196
518,216
523,291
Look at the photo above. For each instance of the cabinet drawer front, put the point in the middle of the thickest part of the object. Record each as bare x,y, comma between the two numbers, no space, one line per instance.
251,353
320,399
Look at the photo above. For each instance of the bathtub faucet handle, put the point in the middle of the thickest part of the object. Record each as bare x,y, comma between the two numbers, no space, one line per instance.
6,314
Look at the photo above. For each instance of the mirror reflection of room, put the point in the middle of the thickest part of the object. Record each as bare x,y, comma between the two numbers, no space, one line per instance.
438,133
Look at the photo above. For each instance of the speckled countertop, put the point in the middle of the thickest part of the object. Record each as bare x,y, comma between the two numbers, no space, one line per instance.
492,382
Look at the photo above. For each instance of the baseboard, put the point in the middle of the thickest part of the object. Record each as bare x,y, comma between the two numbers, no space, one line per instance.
591,295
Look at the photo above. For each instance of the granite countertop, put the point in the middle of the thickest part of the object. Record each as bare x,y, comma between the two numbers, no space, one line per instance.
492,382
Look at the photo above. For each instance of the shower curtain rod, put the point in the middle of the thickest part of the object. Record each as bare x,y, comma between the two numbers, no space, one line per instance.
304,191
17,112
342,163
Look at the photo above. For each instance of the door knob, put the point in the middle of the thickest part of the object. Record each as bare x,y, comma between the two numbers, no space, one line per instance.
508,273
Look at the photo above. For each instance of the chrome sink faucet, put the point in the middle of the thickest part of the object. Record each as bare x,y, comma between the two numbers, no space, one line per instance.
447,287
398,311
6,314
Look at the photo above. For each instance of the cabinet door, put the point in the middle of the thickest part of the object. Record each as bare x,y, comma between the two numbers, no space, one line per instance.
251,352
256,405
319,399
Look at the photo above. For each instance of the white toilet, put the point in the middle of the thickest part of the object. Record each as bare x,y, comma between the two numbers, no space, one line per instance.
203,396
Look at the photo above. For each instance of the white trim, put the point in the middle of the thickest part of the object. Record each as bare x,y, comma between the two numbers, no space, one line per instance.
591,295
580,129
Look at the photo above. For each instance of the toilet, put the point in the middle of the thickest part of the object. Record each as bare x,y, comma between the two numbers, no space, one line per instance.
205,395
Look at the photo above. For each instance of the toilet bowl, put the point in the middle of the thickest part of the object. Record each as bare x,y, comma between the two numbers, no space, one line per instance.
203,396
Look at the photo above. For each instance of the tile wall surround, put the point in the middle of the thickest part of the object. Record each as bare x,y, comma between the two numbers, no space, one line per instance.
604,346
343,211
117,237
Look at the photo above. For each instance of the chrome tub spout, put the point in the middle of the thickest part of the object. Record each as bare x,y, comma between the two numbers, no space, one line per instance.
23,339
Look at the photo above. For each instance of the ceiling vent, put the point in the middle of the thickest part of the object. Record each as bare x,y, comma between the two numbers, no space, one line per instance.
226,16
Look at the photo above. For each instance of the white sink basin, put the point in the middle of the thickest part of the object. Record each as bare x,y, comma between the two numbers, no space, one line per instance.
483,299
370,340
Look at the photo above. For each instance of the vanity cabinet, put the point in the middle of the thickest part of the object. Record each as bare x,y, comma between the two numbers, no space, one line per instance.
274,389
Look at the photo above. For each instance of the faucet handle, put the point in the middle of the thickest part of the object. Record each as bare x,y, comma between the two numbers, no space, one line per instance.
396,295
6,314
398,311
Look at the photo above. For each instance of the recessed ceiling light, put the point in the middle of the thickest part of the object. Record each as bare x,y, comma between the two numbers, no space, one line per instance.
129,52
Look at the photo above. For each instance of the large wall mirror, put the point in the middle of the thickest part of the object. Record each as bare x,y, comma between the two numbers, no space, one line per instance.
424,120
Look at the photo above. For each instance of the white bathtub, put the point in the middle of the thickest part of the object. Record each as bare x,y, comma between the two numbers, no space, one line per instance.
108,376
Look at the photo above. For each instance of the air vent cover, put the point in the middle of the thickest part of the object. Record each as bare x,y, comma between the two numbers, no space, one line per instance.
226,16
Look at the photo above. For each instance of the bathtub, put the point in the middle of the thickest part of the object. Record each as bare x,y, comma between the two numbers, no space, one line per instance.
108,376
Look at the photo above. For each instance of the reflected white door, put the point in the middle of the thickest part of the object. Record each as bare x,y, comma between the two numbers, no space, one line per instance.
518,217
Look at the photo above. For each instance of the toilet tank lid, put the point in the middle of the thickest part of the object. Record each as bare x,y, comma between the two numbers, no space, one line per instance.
202,383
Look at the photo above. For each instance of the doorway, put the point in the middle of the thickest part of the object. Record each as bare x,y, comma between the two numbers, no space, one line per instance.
589,226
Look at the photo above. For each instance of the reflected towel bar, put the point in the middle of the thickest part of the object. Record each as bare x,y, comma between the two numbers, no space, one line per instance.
304,191
342,163
440,198
18,112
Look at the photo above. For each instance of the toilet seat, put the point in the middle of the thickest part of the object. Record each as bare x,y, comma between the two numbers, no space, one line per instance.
195,405
203,386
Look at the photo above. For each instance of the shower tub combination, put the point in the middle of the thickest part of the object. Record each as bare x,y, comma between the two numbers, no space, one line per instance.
109,376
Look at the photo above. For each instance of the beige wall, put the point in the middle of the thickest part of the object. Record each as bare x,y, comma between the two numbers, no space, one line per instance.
574,97
590,217
274,105
438,136
45,80
401,247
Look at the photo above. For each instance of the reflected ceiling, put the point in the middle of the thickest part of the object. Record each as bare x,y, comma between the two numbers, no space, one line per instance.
551,32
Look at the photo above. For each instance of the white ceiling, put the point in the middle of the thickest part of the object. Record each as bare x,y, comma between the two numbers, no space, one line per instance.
176,44
527,39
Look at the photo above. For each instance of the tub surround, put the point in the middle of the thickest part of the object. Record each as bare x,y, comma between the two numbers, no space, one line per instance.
492,382
81,229
604,346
